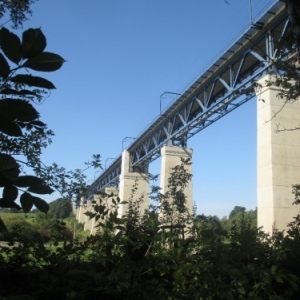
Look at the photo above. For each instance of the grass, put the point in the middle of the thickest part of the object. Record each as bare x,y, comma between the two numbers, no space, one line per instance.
10,218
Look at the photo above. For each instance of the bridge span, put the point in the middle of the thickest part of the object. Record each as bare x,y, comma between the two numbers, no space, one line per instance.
228,83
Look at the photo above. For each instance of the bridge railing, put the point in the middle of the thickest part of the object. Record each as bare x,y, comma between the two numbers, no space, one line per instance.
257,17
112,172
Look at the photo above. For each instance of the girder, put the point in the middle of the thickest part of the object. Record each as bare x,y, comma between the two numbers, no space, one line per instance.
224,86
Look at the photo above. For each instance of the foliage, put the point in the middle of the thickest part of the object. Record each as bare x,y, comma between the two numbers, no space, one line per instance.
17,10
17,222
172,204
52,229
236,211
47,228
79,234
237,216
131,258
61,208
22,133
141,256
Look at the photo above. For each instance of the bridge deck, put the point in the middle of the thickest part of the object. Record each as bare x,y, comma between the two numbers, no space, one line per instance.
225,85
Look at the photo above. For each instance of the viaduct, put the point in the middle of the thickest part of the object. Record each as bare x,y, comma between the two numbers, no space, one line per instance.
227,84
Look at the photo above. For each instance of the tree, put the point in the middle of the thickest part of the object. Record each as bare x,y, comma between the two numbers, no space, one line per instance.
236,210
61,208
135,262
239,215
22,133
172,204
18,10
51,228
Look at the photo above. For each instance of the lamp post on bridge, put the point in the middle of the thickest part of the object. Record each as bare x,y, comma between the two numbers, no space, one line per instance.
125,140
110,158
95,174
251,17
165,95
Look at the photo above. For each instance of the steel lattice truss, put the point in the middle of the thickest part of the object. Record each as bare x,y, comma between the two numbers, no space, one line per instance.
226,85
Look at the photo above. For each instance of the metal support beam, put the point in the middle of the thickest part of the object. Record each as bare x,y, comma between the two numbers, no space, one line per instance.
223,87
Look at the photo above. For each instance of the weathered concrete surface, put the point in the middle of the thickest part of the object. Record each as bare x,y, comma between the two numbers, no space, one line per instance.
111,193
80,216
170,158
90,224
278,158
133,186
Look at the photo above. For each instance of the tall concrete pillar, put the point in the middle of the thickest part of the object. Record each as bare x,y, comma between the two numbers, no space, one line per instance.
133,186
278,158
74,208
107,200
80,211
88,223
77,211
170,158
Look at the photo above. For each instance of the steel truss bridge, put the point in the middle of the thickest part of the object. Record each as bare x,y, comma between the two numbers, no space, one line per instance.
227,84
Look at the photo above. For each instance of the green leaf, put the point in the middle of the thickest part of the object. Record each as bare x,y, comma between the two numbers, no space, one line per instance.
9,169
8,203
10,192
15,92
14,109
273,269
46,62
10,128
33,81
33,42
41,204
4,67
10,45
294,285
278,278
41,189
26,201
38,123
28,180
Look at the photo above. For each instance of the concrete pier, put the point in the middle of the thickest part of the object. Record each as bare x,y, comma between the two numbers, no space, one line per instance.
89,224
133,186
111,193
170,158
81,209
278,158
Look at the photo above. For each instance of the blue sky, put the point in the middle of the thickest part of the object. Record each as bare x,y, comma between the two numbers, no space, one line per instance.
121,56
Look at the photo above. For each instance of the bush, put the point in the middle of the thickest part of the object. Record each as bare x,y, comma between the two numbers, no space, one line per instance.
131,258
52,229
15,224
